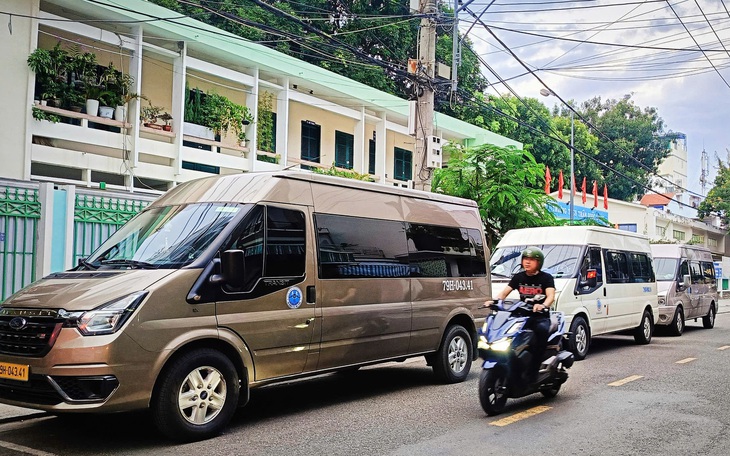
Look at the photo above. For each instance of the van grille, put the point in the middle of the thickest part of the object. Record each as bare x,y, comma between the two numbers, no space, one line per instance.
33,338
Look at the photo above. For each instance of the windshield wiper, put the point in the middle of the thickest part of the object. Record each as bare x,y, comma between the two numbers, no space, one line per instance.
132,263
87,265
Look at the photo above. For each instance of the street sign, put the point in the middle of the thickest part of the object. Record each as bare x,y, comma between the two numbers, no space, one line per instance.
718,270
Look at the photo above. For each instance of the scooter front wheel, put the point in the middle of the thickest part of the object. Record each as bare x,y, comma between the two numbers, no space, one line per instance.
493,390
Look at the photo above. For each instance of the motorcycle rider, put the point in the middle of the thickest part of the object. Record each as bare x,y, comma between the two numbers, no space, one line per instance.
530,282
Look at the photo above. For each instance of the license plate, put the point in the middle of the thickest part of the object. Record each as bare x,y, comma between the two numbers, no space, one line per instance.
14,371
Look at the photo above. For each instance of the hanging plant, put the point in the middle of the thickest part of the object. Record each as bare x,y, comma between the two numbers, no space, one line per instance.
265,123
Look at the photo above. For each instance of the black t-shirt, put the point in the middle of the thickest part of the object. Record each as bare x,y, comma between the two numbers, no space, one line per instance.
530,285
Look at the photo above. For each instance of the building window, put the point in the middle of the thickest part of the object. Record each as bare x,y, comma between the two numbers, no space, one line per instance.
678,235
371,157
661,231
627,227
344,143
311,134
403,167
711,242
697,239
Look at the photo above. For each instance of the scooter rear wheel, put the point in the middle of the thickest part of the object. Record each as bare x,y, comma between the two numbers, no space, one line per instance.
551,392
493,391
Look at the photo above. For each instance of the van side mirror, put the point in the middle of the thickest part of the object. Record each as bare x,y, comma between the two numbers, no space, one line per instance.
591,279
233,269
686,281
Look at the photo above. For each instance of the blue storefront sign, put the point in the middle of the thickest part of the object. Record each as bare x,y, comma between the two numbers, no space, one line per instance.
562,210
718,270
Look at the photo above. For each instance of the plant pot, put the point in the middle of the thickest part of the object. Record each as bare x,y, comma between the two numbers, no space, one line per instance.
106,111
75,108
92,107
153,126
167,127
199,131
120,113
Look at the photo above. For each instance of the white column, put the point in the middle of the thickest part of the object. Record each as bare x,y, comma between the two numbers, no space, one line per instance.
282,122
179,75
45,231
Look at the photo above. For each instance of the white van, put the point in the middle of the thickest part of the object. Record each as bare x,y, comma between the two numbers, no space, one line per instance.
686,284
604,279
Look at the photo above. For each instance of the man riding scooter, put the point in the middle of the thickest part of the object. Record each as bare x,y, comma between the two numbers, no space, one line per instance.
530,282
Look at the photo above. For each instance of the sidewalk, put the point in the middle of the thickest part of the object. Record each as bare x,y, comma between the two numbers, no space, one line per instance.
9,413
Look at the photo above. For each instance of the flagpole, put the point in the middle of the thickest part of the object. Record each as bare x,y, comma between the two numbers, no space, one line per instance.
572,171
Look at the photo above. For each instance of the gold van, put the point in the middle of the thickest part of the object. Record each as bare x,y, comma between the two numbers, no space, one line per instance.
228,283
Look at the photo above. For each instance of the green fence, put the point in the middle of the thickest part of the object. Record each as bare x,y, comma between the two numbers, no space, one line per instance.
97,217
20,211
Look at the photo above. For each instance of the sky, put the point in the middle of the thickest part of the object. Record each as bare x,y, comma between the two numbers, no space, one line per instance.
650,49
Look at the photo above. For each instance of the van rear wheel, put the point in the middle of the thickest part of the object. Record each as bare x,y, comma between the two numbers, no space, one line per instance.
452,361
676,328
643,332
196,397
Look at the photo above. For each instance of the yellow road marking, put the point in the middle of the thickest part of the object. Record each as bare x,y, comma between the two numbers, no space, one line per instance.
625,380
520,416
724,347
685,360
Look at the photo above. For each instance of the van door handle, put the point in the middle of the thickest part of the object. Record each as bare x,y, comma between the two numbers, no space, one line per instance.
311,294
310,320
604,292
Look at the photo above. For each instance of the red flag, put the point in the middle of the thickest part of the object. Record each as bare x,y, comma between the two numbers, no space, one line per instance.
548,178
583,190
595,194
605,196
560,185
572,184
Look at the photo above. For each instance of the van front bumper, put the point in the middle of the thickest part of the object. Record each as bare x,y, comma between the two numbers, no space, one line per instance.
666,315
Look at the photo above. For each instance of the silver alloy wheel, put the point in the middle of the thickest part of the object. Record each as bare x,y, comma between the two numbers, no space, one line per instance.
457,354
202,395
679,322
647,328
581,339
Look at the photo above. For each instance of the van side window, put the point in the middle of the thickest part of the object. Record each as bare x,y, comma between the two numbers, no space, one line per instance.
683,270
641,268
696,272
285,243
284,255
591,260
438,251
617,270
708,269
352,247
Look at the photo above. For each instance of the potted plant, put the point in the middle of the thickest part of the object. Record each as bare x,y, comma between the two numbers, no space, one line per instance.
195,116
149,115
216,113
166,117
51,68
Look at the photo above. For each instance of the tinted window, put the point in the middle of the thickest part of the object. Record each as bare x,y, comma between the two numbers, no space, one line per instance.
591,261
641,269
708,269
251,241
617,268
437,251
360,247
696,272
285,243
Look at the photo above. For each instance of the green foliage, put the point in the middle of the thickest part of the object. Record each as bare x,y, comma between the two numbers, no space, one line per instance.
717,202
39,114
216,112
505,183
265,124
333,171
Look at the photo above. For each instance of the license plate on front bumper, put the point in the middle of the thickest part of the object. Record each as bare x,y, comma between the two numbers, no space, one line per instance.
14,371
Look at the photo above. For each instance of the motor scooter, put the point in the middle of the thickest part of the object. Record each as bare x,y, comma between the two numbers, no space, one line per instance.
504,345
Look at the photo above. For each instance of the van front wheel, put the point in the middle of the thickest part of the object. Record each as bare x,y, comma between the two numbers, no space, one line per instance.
452,362
579,339
196,396
643,332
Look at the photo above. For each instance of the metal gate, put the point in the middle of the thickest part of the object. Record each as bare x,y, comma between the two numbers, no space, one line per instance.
20,212
97,217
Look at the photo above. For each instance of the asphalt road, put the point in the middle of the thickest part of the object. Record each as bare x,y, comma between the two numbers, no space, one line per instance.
667,398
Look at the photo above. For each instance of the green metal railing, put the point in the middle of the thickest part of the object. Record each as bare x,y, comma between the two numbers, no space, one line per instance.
96,218
20,211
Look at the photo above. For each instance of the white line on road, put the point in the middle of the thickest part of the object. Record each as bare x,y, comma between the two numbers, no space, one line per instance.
685,360
520,416
625,380
724,347
24,449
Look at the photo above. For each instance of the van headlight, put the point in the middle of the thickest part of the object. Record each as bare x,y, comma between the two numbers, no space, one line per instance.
662,301
109,317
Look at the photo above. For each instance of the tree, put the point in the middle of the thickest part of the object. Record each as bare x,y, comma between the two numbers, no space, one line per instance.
633,146
505,183
718,199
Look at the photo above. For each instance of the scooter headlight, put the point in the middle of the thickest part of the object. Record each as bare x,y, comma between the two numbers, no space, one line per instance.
502,344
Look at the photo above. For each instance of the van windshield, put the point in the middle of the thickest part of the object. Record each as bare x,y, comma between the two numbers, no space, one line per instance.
560,260
665,268
164,237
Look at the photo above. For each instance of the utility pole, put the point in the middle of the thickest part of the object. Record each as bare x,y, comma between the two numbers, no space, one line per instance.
424,91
